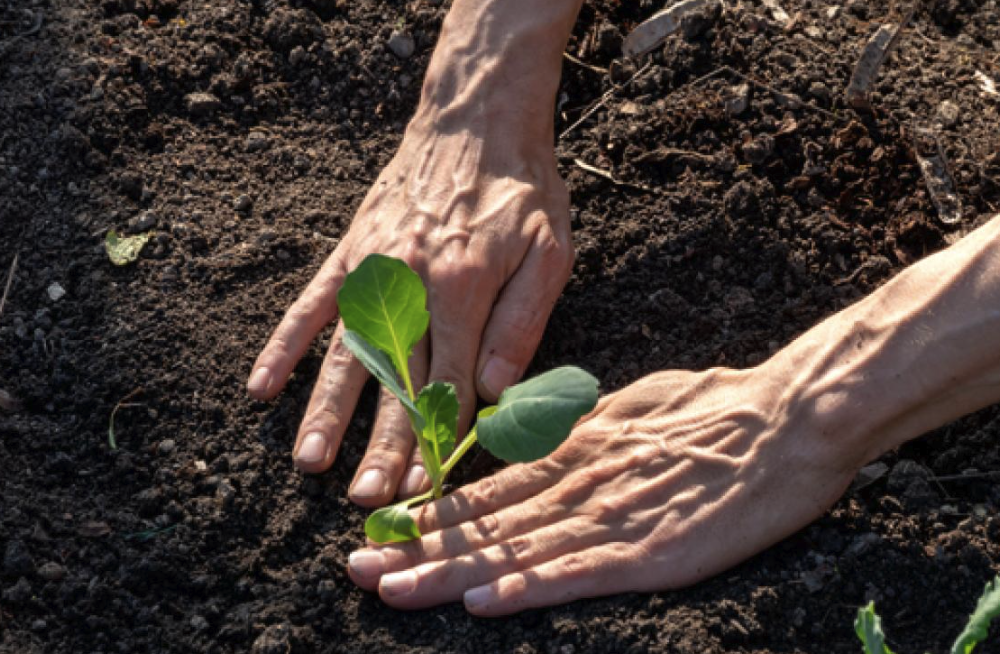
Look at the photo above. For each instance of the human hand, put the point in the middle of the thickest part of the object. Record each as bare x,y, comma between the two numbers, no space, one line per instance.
669,481
483,216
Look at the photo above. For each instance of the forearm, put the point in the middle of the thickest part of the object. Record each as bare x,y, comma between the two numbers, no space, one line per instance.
496,69
922,350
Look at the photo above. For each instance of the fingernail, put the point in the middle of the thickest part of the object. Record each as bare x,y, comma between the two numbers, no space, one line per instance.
413,481
313,449
259,381
371,483
366,563
476,597
498,374
399,583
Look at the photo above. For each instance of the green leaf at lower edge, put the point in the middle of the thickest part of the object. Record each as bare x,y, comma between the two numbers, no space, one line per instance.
978,626
379,365
392,524
534,417
868,627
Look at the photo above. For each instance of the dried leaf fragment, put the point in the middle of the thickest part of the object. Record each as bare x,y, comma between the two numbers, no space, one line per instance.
123,251
866,70
93,529
986,84
654,31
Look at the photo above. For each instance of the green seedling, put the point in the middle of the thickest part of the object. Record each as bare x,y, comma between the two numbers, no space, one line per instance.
869,626
383,305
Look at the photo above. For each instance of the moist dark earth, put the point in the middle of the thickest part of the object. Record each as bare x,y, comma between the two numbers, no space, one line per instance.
722,233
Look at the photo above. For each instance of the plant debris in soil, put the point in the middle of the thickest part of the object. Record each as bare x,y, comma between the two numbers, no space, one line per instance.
729,216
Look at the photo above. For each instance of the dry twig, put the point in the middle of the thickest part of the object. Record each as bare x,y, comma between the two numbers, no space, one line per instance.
604,99
10,281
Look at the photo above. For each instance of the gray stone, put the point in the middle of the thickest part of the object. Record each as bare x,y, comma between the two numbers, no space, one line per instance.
17,560
274,640
402,45
948,114
202,104
52,571
243,204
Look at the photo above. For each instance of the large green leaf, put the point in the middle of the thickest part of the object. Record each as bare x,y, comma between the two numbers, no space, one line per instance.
378,364
534,417
438,404
868,627
392,524
978,627
385,302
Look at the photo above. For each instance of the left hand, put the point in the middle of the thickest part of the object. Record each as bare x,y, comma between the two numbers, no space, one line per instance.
669,481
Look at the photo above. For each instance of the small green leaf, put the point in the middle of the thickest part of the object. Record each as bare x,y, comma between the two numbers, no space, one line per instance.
385,302
978,626
378,364
123,251
438,404
868,626
534,417
392,524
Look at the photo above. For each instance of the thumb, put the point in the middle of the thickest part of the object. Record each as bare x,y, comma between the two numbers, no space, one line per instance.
518,319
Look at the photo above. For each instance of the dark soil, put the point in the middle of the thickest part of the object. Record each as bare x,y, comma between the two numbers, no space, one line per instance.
725,237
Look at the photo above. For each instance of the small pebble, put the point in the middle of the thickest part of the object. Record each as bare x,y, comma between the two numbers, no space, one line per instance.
55,291
167,446
202,104
948,113
401,44
243,203
257,141
198,623
52,571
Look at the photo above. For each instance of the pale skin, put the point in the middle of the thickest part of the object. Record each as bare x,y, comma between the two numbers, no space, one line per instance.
668,481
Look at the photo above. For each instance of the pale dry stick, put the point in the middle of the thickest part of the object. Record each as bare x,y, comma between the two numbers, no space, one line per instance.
976,476
600,172
604,99
580,62
10,281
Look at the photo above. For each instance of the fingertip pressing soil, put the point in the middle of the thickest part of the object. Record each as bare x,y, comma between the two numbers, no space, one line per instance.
749,203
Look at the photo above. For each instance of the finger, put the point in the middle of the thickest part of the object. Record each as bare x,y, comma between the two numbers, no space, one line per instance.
602,570
315,308
392,441
518,320
510,486
415,479
459,300
474,535
447,580
330,407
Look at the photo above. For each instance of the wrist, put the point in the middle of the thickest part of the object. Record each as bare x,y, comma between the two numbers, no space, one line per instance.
921,351
496,69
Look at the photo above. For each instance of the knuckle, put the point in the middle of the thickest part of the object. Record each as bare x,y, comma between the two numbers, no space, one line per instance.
520,548
486,528
484,493
574,564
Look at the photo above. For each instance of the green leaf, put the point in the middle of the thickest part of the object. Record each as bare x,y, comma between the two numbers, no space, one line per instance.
438,404
978,626
868,626
123,251
378,364
384,301
534,417
392,524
